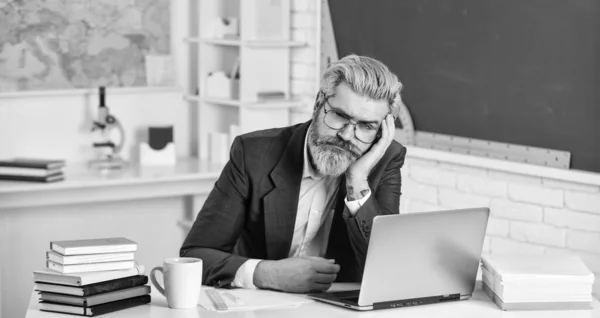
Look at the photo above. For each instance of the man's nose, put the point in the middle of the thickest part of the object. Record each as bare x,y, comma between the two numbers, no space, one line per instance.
347,133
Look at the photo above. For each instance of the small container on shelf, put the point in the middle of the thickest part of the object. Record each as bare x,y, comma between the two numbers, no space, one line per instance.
220,85
225,28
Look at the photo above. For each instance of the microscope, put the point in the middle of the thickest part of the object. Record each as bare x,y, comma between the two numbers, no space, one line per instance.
112,137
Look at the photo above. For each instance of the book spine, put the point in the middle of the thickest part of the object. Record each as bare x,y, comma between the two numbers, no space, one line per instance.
114,285
117,305
98,277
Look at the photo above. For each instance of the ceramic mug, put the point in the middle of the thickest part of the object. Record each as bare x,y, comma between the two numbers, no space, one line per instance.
182,277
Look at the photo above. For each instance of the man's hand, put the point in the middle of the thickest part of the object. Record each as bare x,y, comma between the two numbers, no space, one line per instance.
296,275
363,166
356,175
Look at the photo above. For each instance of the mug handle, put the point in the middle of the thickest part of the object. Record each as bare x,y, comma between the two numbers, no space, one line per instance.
155,282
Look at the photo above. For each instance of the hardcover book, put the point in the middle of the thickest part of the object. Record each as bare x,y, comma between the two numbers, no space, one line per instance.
51,178
92,267
89,258
98,299
84,279
31,172
94,246
93,289
95,310
33,163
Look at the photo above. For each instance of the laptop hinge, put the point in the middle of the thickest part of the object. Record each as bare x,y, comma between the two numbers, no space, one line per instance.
416,301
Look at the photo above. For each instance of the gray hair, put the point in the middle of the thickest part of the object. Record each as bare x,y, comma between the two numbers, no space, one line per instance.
366,76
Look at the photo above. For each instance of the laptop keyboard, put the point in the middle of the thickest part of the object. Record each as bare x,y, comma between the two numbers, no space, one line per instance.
350,296
353,300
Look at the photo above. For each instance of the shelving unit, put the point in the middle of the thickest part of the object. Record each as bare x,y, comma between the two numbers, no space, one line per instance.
262,52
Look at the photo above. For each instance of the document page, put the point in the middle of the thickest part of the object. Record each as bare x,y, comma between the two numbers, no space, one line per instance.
217,299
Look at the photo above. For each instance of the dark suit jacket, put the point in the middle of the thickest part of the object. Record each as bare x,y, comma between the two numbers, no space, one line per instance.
251,211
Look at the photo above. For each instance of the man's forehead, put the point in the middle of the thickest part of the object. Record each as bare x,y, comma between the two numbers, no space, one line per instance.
358,106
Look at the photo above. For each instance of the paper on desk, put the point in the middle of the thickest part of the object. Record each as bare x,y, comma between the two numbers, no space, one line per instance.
250,299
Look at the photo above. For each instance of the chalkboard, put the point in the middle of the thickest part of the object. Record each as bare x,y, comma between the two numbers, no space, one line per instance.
517,71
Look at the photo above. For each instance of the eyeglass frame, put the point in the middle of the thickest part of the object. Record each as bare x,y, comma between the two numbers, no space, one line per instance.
349,120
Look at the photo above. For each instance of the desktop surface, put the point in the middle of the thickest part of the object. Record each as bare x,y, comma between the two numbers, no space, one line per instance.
478,306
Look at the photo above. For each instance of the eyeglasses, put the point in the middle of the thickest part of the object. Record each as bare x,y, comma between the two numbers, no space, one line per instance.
364,132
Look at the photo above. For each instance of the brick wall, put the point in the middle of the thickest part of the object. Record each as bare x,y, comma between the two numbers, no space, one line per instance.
533,215
305,26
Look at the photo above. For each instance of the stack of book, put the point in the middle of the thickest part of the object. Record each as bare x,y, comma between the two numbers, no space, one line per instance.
38,170
91,277
541,282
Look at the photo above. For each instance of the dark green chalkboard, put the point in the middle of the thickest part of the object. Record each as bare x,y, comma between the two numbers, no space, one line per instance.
518,71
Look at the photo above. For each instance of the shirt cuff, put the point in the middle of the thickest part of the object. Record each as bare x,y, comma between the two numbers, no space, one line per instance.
354,206
244,277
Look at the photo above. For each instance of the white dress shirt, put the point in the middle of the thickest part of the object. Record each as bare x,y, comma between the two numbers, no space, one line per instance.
313,218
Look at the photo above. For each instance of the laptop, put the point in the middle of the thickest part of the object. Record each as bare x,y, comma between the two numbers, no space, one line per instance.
417,259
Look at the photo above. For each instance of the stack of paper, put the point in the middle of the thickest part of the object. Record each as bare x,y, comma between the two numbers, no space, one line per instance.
540,282
216,299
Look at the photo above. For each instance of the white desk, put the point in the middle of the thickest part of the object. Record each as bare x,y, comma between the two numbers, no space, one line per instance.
478,306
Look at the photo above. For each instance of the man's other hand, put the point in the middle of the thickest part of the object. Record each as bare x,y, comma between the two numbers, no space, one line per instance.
296,275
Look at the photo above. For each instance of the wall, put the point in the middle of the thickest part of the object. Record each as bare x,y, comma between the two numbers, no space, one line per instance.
306,27
529,214
58,123
59,126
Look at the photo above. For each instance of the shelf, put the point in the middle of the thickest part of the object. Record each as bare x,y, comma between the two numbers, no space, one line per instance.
237,103
190,176
238,42
92,91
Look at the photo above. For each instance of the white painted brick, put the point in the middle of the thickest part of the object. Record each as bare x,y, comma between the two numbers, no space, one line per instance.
583,241
304,55
303,87
589,202
497,227
512,177
433,176
300,35
419,191
453,199
501,246
420,162
517,211
565,185
537,233
473,171
486,246
572,220
536,194
304,20
404,172
303,71
308,36
304,5
415,206
404,204
481,185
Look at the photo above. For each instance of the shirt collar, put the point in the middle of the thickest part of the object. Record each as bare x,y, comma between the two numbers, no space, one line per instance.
308,171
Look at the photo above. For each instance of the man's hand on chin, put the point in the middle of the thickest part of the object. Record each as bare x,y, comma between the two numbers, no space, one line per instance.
297,274
356,176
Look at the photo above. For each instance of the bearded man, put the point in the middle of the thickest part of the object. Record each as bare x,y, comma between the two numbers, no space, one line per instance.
293,207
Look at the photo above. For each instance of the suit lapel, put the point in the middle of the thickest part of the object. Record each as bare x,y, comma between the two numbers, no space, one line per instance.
281,204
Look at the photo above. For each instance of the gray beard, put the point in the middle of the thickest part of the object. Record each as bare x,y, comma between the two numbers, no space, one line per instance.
331,156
